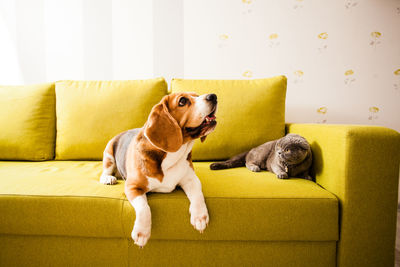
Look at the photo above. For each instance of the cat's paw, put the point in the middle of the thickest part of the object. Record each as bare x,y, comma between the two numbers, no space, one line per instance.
253,168
282,175
217,166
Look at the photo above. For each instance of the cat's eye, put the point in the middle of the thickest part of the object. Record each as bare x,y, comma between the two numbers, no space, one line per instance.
287,150
182,101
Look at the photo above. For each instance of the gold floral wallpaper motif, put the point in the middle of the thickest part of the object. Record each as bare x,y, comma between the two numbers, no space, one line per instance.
397,84
273,40
375,39
223,40
322,111
223,37
349,77
247,74
350,4
247,7
373,113
298,76
323,44
323,36
298,4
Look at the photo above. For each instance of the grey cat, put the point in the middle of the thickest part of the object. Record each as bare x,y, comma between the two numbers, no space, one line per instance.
289,156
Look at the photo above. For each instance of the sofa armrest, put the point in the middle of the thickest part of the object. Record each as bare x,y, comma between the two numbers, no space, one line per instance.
360,165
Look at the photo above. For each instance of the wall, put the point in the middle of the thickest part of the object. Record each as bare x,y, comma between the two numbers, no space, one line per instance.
341,57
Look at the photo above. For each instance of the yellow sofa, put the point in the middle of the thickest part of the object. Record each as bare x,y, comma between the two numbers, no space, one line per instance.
54,212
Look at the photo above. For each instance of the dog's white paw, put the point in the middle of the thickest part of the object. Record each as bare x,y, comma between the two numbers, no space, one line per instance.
108,179
199,218
140,235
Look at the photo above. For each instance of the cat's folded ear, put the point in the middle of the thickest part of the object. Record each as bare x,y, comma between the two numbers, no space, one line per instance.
304,144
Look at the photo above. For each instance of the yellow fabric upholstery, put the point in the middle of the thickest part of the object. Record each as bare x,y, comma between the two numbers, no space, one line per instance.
360,165
250,113
78,251
27,122
90,113
58,197
38,251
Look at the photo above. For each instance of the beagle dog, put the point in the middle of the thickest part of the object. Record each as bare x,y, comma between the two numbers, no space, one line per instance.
158,157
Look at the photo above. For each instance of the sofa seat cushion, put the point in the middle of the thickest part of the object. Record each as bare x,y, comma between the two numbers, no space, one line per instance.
65,198
58,198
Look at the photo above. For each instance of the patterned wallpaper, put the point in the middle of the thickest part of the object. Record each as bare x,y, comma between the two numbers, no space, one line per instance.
342,58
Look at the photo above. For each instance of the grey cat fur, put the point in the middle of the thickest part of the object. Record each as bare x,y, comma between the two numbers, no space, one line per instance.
289,156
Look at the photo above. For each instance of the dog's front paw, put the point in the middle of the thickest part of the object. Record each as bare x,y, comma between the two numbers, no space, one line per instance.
199,218
141,235
108,179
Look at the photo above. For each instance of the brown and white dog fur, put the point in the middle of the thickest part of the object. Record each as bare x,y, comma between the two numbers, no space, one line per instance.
157,157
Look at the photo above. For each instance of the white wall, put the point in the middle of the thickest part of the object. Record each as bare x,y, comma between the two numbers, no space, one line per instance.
341,57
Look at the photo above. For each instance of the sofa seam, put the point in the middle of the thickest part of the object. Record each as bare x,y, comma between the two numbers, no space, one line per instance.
45,154
126,240
165,239
61,196
122,214
124,199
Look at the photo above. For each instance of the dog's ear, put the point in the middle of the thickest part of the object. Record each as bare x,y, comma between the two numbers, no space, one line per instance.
162,129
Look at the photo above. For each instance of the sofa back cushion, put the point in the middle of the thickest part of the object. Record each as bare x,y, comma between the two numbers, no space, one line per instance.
27,122
90,113
250,113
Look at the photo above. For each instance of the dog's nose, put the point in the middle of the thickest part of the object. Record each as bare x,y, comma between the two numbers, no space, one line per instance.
212,98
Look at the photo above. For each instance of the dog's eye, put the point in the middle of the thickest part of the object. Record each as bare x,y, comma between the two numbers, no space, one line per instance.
182,101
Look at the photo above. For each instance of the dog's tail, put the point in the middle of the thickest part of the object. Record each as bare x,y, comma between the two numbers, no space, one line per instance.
235,161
